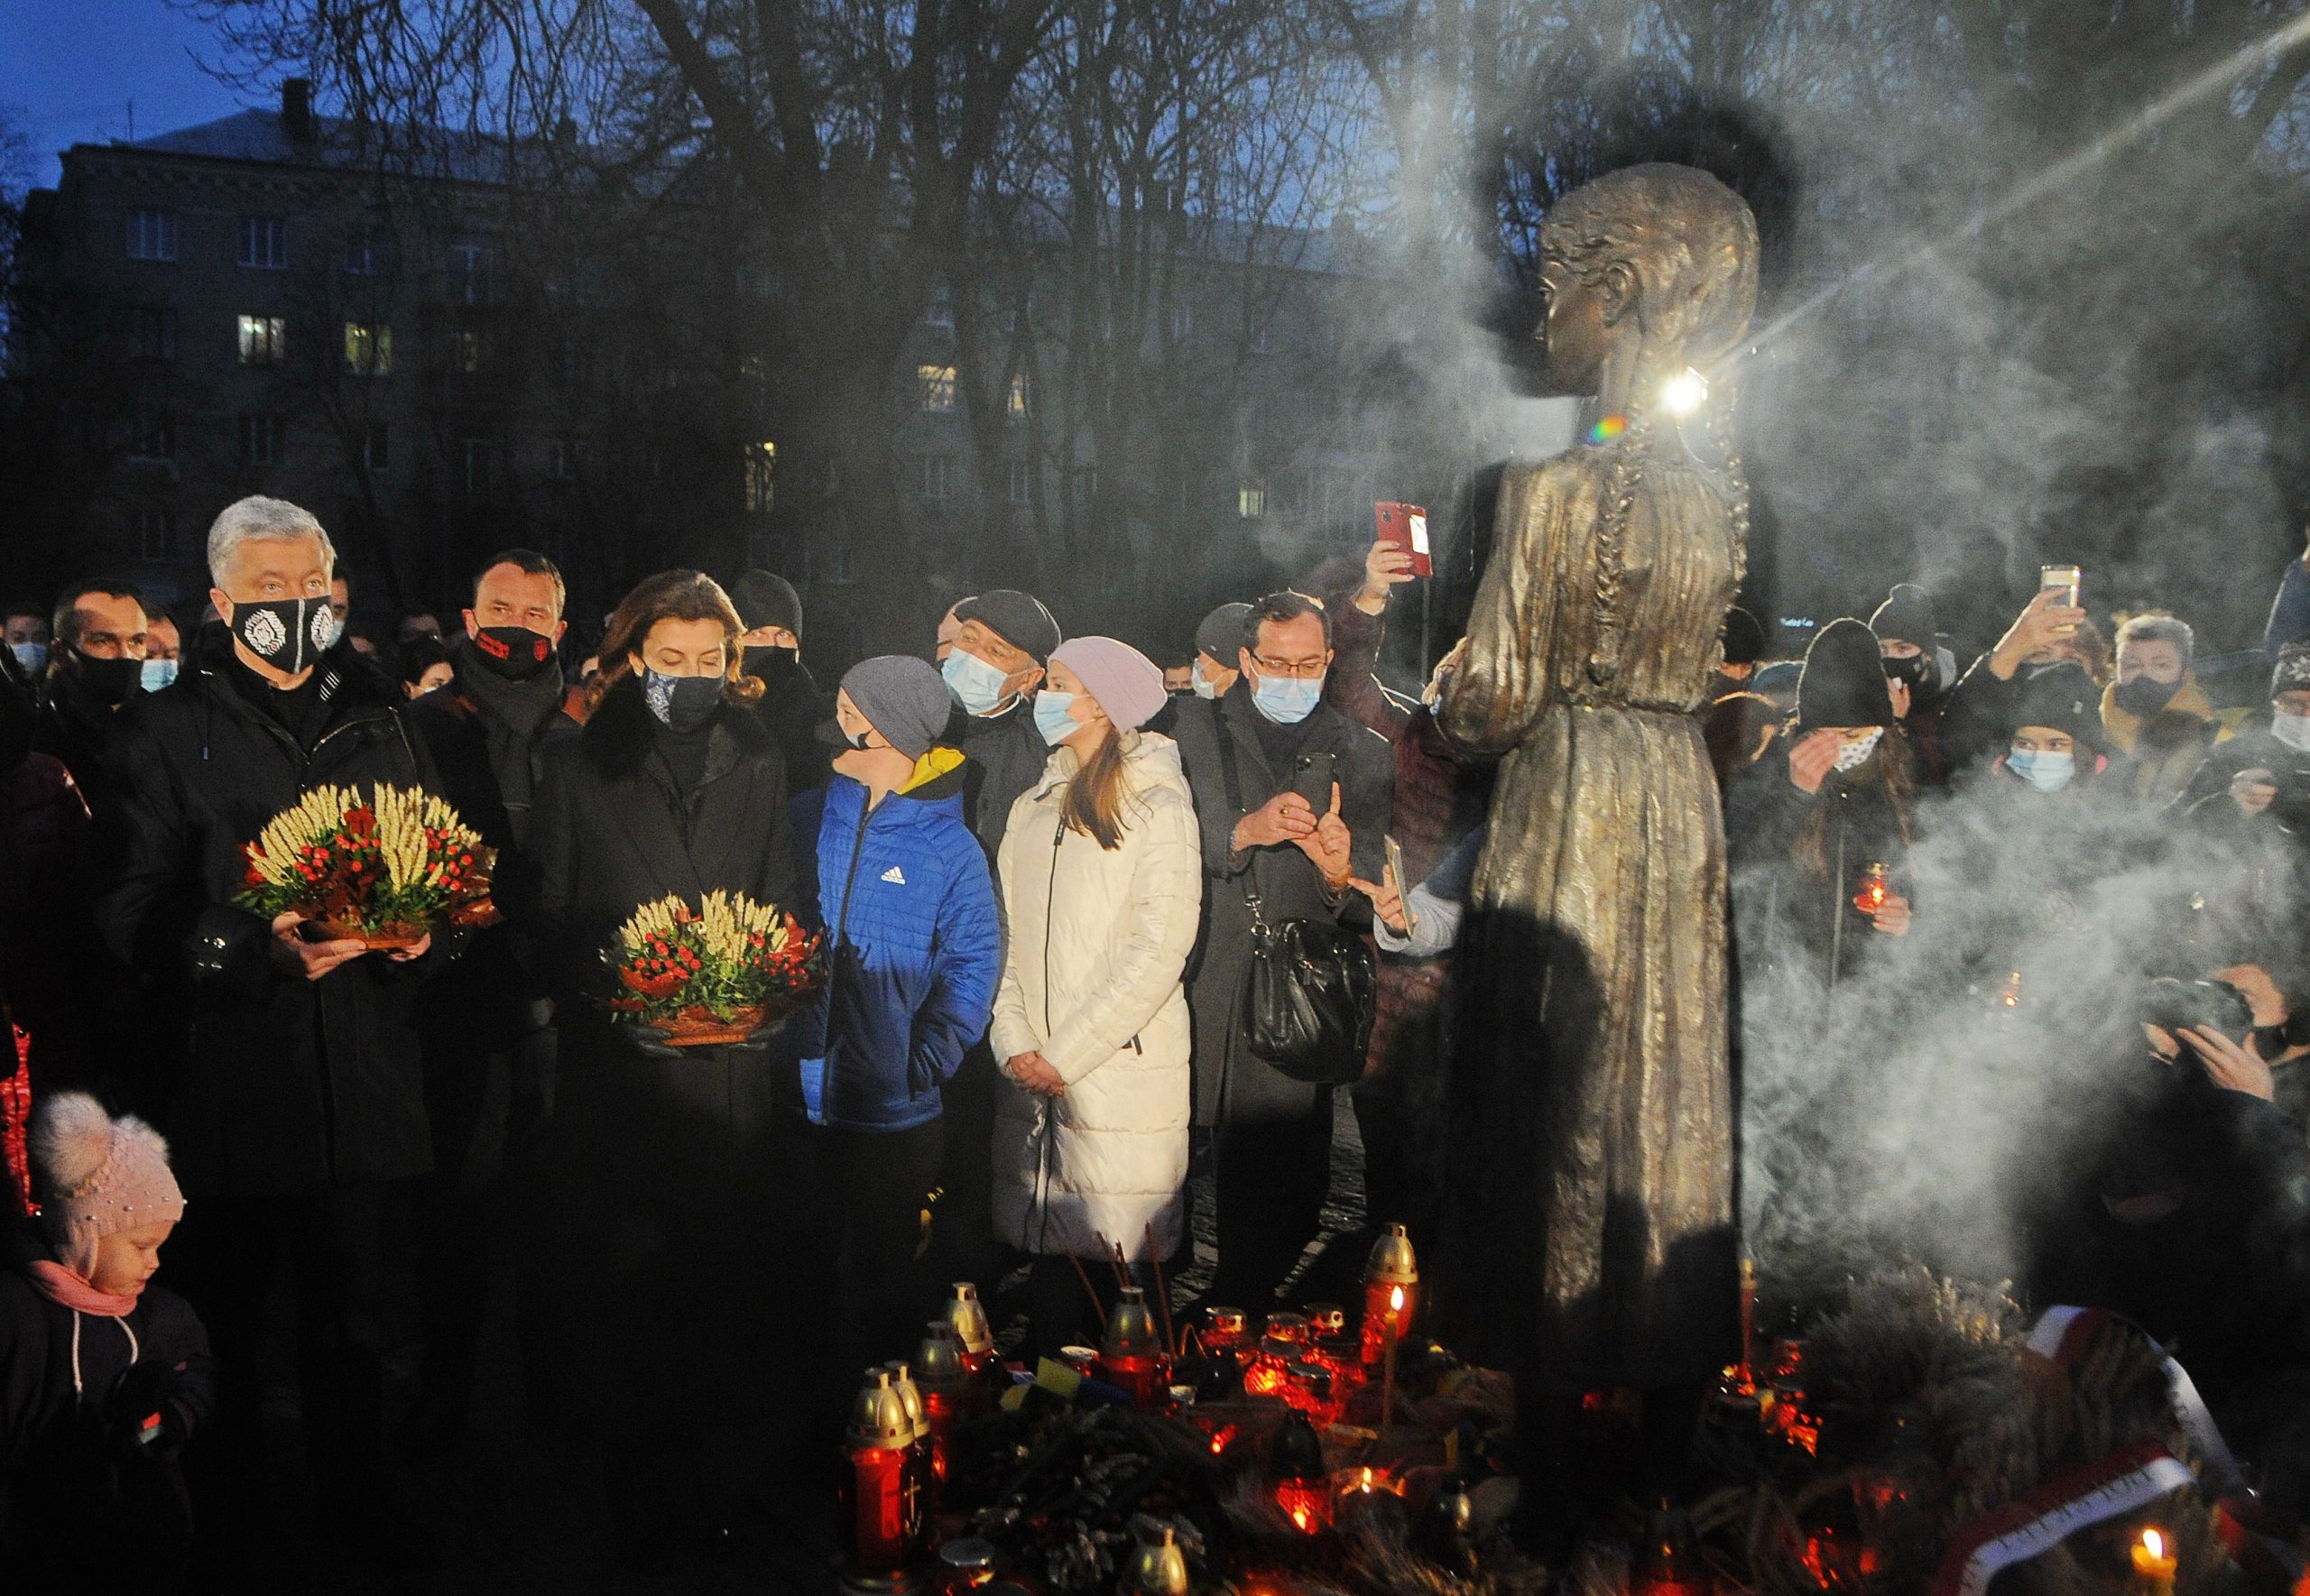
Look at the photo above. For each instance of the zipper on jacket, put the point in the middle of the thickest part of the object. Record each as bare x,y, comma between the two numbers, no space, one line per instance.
834,976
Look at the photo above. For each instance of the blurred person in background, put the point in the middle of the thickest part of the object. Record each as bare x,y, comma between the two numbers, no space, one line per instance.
26,634
164,652
1804,822
791,707
424,666
2157,722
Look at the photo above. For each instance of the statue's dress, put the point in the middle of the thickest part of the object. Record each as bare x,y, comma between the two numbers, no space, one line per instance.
1590,1230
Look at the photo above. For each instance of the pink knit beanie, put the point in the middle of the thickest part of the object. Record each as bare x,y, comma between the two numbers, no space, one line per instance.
1128,684
95,1175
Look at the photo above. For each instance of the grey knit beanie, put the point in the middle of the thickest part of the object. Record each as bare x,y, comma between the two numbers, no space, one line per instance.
904,697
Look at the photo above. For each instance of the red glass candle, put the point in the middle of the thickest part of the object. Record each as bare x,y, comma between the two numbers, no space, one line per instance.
1131,1354
1308,1503
880,1492
1869,895
968,1317
1267,1374
1390,1293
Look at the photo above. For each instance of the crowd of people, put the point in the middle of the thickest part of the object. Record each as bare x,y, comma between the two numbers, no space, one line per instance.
1038,862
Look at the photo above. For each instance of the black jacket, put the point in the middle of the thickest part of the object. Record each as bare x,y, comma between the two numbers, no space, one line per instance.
75,730
1289,884
67,1509
1786,912
289,1084
1007,755
613,833
791,708
496,982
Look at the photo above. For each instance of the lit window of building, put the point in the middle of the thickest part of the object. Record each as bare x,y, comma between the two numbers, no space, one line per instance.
264,340
937,387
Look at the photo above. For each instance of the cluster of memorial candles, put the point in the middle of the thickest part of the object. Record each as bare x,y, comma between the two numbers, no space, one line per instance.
897,1451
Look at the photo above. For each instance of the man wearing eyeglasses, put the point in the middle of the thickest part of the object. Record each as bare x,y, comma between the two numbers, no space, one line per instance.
1293,799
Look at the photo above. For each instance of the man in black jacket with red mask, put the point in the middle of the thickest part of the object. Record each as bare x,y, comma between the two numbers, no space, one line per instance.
299,1107
487,1023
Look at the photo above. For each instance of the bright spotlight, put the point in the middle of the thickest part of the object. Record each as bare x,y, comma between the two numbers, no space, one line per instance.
1685,393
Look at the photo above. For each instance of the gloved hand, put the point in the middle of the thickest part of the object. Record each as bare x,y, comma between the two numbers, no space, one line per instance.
651,1041
758,1039
142,1417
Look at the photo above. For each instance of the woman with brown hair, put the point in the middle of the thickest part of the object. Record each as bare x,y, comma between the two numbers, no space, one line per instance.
1102,880
672,789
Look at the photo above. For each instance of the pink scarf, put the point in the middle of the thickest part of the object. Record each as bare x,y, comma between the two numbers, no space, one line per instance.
70,1289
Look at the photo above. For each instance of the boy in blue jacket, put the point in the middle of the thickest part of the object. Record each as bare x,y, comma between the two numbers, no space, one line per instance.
914,946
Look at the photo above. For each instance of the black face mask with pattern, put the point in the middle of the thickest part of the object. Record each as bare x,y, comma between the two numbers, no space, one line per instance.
287,635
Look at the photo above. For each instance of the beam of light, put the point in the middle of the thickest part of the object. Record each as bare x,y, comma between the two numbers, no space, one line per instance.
2213,80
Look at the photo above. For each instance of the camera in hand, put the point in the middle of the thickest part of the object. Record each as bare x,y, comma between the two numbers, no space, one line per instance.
2176,1006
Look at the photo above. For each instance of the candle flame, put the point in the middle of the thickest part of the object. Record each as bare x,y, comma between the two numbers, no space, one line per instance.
2153,1543
1396,1299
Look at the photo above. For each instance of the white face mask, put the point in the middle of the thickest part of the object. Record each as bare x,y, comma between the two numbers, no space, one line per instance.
2293,729
1854,753
1204,685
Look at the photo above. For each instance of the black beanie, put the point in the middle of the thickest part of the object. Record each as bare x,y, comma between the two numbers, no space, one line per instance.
2064,697
1744,637
1906,616
1843,684
1017,618
764,599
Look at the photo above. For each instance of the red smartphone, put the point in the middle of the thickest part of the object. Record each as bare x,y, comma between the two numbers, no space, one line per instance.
1405,526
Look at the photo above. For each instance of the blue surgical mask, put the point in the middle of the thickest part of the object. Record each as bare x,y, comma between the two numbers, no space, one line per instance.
2043,769
1287,700
1204,685
976,686
155,674
1052,719
32,657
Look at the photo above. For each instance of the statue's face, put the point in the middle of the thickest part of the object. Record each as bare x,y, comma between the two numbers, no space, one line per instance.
1574,327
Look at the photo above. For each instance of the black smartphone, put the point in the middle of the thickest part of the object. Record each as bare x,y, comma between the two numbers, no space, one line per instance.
1312,775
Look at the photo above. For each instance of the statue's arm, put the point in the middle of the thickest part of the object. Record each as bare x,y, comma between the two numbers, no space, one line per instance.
1501,683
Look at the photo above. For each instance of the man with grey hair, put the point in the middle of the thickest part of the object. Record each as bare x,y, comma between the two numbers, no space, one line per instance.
300,1109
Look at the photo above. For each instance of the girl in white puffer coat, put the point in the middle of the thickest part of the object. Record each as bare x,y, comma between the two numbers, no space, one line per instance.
1103,888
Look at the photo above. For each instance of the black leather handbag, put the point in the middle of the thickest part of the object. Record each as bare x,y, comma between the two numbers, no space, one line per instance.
1308,999
1311,990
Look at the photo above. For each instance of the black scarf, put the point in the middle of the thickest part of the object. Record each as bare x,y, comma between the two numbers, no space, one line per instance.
513,713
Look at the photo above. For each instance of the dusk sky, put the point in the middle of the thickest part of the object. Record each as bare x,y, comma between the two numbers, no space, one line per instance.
70,67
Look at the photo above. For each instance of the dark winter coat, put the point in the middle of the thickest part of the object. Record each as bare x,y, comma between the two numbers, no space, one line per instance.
1787,913
77,730
477,749
289,1083
1006,756
2255,748
790,709
1289,884
68,1509
614,831
914,947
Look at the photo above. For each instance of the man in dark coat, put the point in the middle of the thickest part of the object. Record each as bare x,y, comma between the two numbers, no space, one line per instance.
791,707
1002,639
488,1027
92,672
301,1105
1248,757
